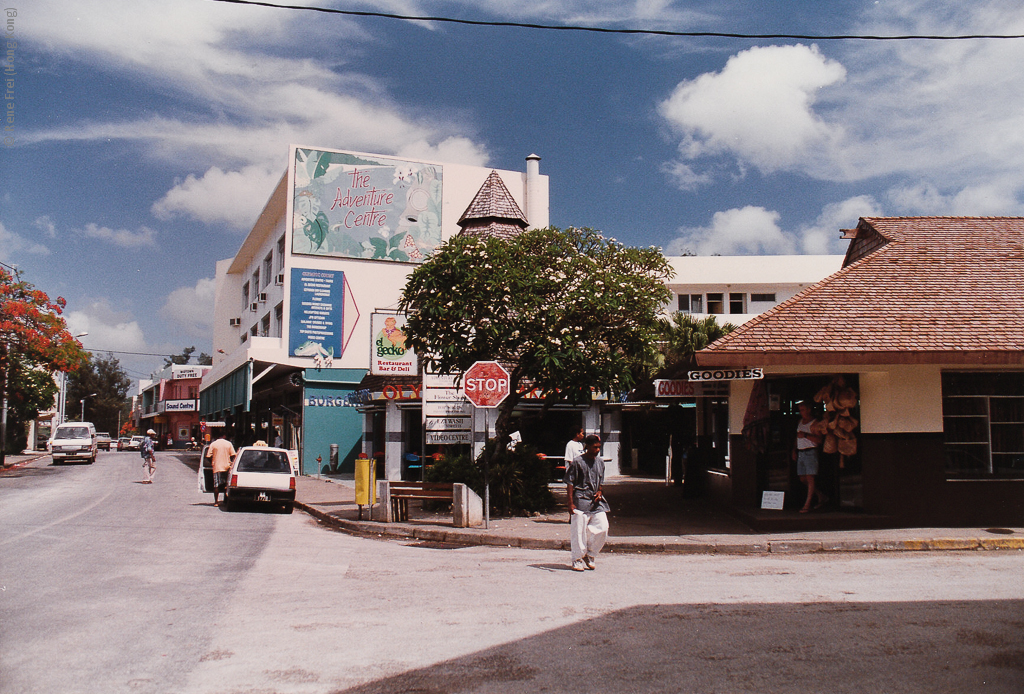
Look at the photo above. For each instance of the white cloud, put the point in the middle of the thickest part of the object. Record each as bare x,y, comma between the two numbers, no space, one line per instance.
144,237
823,237
224,59
225,197
191,308
684,177
107,328
935,122
13,244
758,108
747,231
46,225
457,150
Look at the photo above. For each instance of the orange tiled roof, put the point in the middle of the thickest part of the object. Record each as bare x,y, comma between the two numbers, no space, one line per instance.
912,290
493,211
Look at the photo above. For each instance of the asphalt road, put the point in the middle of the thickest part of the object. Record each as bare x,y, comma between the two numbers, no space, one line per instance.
109,585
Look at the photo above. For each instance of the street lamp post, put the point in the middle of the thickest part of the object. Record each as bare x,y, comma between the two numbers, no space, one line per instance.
63,394
91,395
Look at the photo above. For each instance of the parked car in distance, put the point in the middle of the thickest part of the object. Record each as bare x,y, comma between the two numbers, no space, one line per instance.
103,440
263,475
73,441
122,443
134,443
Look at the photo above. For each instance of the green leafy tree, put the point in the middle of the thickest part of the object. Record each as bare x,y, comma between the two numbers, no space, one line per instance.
185,357
104,377
33,337
567,312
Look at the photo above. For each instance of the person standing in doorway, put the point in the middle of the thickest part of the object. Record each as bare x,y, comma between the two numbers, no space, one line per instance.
147,449
588,509
805,453
574,448
221,454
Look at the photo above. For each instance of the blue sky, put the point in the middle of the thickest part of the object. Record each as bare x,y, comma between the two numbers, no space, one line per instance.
147,135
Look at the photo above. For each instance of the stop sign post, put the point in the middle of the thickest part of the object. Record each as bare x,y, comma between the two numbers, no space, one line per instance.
486,384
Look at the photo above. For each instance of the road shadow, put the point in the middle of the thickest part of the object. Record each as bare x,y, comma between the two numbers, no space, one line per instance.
840,648
551,567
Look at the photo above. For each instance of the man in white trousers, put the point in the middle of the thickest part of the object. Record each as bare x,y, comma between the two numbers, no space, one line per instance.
588,510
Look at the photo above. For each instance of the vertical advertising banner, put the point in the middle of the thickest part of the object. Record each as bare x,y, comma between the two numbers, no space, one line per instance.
317,314
389,355
365,206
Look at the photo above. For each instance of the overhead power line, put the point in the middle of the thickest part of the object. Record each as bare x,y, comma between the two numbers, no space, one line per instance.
646,32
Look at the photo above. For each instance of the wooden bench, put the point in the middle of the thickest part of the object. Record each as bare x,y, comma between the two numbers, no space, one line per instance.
401,492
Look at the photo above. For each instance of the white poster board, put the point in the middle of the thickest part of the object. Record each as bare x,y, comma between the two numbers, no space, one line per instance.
772,500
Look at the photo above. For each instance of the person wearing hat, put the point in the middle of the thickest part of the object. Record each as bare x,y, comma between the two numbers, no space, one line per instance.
148,452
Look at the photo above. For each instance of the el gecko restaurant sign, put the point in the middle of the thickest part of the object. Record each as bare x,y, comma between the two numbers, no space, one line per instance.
389,355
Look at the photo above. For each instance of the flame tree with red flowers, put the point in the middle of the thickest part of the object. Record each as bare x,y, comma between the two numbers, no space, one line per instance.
33,338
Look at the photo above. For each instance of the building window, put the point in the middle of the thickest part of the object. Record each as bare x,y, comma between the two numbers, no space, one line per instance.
983,424
254,330
762,298
737,303
280,254
268,268
716,304
255,283
265,326
279,320
691,303
245,296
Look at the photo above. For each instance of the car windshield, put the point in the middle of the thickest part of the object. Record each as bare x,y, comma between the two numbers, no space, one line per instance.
72,433
253,460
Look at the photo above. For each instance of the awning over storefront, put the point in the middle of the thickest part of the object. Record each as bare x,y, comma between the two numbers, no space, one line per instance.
230,394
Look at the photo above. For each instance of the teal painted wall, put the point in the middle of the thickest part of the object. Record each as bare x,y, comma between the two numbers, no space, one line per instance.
329,416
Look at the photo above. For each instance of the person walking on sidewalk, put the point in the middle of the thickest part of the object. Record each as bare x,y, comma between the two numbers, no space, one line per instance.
221,454
147,449
588,509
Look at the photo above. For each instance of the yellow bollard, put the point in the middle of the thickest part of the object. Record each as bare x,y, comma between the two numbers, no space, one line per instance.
365,483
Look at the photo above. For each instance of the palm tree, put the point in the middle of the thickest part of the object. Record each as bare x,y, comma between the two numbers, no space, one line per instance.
682,337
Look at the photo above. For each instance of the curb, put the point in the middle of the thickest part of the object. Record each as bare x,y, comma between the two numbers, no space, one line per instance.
397,531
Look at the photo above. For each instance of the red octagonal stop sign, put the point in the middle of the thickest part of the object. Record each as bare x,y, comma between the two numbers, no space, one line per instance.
486,383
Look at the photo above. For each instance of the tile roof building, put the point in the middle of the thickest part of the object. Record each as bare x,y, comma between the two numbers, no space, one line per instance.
911,290
925,324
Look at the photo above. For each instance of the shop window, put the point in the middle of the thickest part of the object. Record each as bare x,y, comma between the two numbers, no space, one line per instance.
737,303
716,304
983,424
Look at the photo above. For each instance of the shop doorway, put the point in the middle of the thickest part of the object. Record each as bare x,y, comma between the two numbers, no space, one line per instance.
839,474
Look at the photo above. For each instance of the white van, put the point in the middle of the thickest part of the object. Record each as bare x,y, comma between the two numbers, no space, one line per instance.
73,441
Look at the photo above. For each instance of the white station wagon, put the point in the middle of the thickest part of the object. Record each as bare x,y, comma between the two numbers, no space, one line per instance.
259,474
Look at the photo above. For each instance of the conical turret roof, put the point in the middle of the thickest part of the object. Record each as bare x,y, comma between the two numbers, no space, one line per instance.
493,211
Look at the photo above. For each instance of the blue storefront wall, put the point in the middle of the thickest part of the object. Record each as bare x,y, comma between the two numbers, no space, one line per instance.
329,416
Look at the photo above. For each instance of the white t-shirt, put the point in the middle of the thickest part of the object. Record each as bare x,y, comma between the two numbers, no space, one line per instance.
805,443
573,449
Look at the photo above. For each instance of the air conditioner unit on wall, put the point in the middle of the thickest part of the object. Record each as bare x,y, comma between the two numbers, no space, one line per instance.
280,279
254,306
263,297
234,322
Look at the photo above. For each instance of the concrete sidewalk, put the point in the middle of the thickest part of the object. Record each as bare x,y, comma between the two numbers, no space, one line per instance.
647,516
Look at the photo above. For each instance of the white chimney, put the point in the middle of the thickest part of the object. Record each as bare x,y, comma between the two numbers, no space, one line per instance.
536,194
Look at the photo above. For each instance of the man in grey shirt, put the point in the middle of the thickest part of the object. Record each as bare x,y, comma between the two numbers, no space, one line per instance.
588,510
